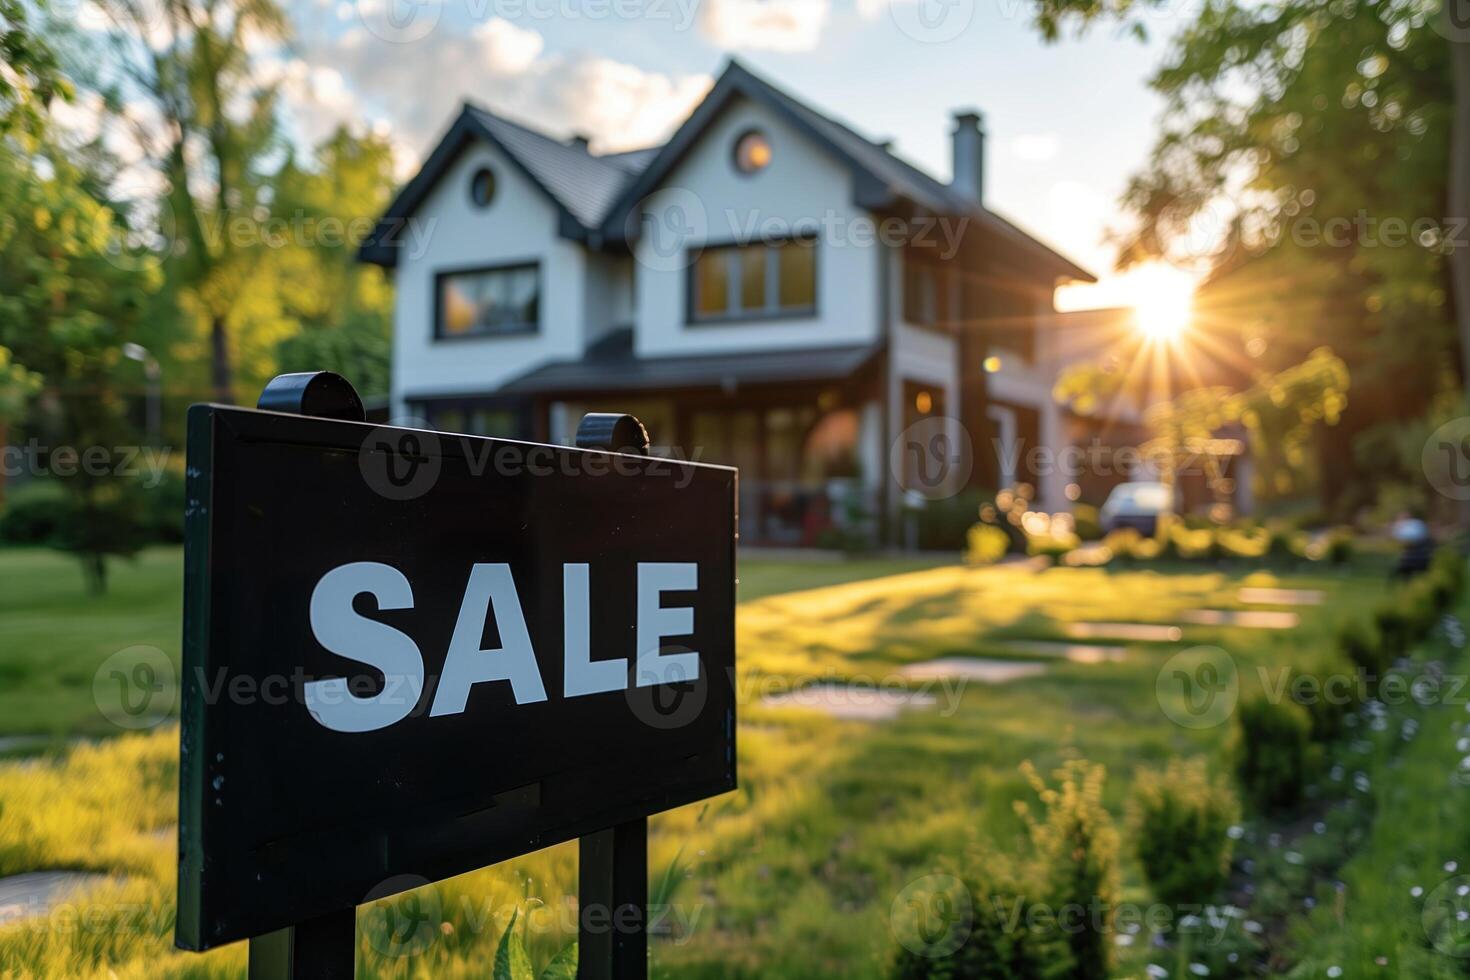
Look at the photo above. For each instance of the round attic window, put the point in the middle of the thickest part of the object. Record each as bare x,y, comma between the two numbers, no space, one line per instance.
752,152
482,187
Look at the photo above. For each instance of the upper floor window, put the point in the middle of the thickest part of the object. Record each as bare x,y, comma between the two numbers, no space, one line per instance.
482,187
928,293
488,302
746,282
752,152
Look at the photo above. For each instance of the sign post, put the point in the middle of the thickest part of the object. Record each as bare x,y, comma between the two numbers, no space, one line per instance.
409,654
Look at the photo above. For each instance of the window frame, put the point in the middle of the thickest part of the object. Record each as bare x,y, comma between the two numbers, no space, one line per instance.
768,313
526,330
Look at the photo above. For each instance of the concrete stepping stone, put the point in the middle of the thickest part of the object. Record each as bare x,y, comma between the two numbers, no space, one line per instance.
1077,653
1281,597
25,895
1256,619
851,702
972,669
1138,632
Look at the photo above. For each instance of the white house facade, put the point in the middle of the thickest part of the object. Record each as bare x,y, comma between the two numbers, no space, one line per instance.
768,289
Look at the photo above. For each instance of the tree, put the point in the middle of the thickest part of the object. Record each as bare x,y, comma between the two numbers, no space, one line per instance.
342,308
215,132
1310,139
67,305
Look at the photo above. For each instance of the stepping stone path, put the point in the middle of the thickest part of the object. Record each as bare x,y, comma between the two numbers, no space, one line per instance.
1257,619
26,895
1078,653
1281,597
851,703
972,668
1138,632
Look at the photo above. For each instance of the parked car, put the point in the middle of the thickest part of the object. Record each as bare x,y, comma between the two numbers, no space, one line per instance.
1136,505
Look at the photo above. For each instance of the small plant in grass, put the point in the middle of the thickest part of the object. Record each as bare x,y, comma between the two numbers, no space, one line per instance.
1273,752
1077,853
1002,936
512,962
1178,822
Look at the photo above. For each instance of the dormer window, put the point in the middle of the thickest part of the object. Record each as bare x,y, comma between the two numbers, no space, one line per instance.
752,152
482,187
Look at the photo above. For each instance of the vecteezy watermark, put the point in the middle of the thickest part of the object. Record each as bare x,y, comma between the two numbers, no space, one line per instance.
673,702
931,21
136,688
144,463
406,21
673,228
932,458
932,916
1198,687
404,463
1446,459
1446,917
405,916
1367,231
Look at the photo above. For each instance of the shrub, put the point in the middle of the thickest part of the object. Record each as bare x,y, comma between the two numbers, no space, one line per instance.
1052,545
1243,542
943,525
986,544
1121,541
1447,569
1086,523
1077,854
1189,544
1273,752
1004,941
1340,546
1179,823
1363,646
1394,628
34,513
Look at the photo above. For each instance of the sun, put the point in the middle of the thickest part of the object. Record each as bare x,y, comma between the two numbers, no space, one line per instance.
1163,303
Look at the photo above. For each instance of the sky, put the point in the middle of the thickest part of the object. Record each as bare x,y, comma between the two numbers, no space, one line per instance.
1066,123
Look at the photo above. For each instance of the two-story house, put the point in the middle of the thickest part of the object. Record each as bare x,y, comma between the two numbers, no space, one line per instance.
768,289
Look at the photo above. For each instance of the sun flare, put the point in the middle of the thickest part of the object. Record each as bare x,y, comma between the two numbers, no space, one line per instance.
1163,303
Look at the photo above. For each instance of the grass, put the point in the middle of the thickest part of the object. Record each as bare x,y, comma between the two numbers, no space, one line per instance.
794,874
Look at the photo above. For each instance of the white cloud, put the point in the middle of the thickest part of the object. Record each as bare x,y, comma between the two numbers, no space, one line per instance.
773,25
1035,147
361,77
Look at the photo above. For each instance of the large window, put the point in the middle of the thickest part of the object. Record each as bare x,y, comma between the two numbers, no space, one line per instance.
488,302
746,282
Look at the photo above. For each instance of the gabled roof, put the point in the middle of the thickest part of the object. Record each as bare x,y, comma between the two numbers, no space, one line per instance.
596,195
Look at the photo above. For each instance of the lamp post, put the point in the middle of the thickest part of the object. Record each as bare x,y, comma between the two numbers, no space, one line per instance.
153,373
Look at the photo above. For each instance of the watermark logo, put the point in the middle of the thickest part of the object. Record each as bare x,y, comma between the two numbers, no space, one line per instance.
932,458
1453,21
400,463
404,916
672,702
671,226
400,21
1446,459
135,688
932,916
1198,687
1446,917
932,21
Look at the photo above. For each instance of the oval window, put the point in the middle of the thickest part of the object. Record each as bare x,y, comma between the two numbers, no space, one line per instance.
482,187
752,152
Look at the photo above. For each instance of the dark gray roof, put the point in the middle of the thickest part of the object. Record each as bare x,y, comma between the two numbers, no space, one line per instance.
612,366
584,184
596,194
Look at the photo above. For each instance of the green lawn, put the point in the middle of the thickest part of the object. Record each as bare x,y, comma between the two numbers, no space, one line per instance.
793,875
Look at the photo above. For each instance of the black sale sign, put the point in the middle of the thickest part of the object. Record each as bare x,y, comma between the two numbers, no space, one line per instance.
409,654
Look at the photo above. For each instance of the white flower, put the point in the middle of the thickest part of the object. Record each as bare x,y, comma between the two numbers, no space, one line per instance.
1199,969
1156,971
1334,971
1416,891
1451,866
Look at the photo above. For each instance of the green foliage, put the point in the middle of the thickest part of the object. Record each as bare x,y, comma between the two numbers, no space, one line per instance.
1077,852
944,525
1273,753
1086,523
34,513
1005,940
1178,825
512,962
1362,644
986,544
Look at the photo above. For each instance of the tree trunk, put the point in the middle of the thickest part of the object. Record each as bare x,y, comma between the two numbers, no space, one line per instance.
219,344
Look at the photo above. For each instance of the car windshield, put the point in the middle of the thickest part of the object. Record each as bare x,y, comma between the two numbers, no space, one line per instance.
1148,496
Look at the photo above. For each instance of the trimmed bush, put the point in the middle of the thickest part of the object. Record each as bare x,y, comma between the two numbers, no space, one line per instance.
1363,646
1179,821
1273,752
1002,941
1077,854
1085,521
34,513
